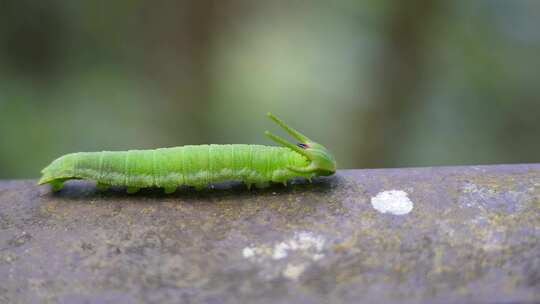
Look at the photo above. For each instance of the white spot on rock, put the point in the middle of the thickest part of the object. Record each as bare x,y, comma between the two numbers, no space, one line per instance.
300,250
395,202
293,272
317,256
307,242
248,252
280,251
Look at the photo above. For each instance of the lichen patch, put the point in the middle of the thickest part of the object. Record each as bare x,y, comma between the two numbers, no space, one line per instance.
290,257
395,202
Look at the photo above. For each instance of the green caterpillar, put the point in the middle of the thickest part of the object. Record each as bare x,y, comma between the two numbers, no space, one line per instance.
196,166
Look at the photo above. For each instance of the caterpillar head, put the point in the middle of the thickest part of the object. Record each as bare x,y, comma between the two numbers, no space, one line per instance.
321,162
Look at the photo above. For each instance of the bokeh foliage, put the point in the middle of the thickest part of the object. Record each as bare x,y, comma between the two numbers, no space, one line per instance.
382,83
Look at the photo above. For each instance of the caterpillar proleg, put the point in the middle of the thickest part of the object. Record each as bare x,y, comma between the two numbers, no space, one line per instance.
196,166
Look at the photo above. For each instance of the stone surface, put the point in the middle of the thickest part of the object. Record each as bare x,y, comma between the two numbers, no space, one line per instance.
472,235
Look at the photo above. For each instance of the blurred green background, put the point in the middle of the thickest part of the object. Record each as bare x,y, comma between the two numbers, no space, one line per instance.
381,83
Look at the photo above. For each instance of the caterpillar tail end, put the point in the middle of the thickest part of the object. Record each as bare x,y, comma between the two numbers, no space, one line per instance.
41,182
57,172
45,179
56,184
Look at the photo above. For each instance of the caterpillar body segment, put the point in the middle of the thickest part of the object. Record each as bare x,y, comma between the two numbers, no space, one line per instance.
196,166
169,168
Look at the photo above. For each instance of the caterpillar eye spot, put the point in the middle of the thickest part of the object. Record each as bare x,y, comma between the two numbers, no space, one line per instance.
303,146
